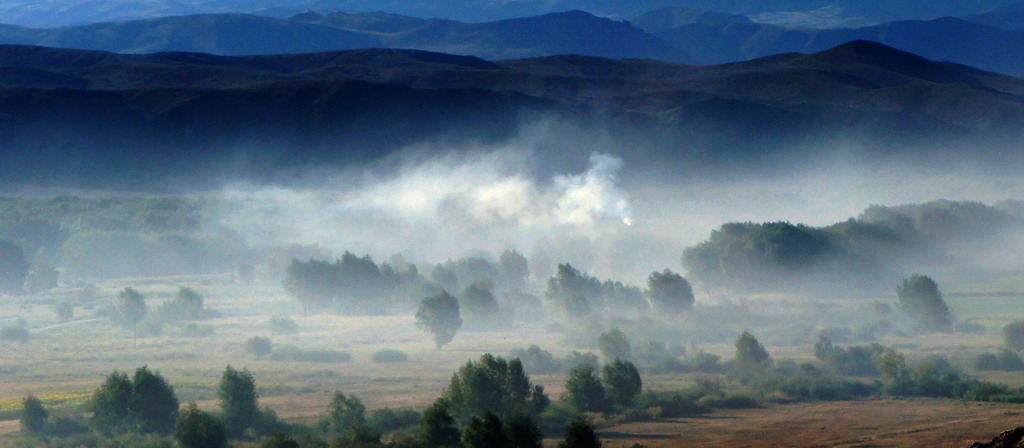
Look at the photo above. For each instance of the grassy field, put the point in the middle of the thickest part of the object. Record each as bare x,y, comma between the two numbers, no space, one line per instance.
64,362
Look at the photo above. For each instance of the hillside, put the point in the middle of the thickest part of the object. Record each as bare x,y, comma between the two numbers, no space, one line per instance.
64,111
573,32
944,39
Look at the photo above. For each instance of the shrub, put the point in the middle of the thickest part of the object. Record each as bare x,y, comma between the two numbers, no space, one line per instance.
258,346
385,421
14,333
291,353
33,416
283,325
389,355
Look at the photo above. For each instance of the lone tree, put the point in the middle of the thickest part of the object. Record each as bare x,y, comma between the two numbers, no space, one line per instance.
33,416
258,346
238,401
580,434
920,298
130,309
750,354
439,315
583,390
622,383
1013,334
478,304
614,345
669,292
199,429
13,268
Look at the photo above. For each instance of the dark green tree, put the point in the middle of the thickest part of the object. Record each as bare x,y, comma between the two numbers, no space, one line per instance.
439,315
438,428
622,383
669,292
750,354
154,405
919,298
199,429
522,432
279,440
238,401
583,390
131,310
614,345
493,385
580,434
33,416
13,268
111,405
486,432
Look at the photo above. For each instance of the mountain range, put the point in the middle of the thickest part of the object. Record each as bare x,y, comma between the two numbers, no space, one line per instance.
56,13
669,34
86,117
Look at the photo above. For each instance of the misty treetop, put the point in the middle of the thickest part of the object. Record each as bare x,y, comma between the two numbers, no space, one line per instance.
354,284
919,297
578,293
440,316
861,254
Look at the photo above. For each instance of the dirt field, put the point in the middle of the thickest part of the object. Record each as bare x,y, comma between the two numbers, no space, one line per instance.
878,423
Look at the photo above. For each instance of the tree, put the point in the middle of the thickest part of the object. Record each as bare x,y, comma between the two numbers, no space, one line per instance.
573,290
130,309
477,301
493,385
485,433
199,429
238,401
279,440
750,354
33,416
614,345
311,283
823,348
439,315
580,434
1013,335
143,404
522,432
438,428
583,390
514,268
669,292
187,305
919,298
347,416
111,405
622,383
13,268
154,404
258,346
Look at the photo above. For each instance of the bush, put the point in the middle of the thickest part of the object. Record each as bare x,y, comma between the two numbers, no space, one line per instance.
291,353
258,346
66,427
385,421
389,355
14,333
706,363
283,325
670,404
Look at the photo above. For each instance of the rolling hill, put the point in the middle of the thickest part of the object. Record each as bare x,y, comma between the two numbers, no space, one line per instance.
86,117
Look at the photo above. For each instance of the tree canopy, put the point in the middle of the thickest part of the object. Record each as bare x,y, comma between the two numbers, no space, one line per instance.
440,316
